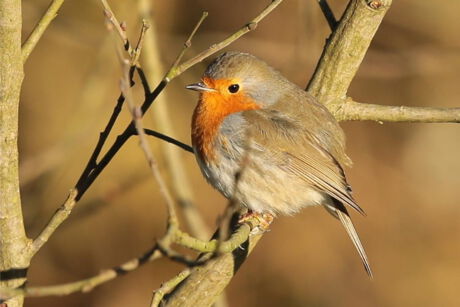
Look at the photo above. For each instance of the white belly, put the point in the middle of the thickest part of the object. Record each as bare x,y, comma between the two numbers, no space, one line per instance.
261,187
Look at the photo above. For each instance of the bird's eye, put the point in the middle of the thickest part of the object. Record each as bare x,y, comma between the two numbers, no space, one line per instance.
233,88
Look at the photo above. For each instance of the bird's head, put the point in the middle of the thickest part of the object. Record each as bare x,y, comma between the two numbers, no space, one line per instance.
238,81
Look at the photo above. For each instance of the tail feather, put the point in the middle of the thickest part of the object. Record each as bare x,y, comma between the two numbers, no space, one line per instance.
340,212
347,223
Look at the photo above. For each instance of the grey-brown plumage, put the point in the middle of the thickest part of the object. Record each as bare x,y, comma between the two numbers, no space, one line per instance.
287,147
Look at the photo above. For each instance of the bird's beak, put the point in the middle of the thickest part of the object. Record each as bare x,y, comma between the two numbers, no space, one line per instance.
200,87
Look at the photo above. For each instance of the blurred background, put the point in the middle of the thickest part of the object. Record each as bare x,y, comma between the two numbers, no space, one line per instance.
405,176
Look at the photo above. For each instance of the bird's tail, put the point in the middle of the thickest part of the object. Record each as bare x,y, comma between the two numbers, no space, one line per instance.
340,212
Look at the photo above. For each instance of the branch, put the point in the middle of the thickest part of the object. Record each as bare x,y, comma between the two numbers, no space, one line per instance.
40,28
328,14
87,284
250,26
352,110
345,50
168,139
154,69
13,240
341,58
58,217
112,22
211,277
168,286
137,119
237,238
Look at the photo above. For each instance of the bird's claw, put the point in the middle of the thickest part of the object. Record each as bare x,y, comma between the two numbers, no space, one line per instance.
259,222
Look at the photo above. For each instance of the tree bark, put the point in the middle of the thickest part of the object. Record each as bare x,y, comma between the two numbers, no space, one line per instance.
345,50
14,259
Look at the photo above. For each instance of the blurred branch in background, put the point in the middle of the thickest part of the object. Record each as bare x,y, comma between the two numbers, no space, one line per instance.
154,70
136,113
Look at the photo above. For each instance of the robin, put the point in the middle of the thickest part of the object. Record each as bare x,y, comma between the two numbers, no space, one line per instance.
266,143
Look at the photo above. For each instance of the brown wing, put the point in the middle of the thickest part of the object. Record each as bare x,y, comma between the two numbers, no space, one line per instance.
285,142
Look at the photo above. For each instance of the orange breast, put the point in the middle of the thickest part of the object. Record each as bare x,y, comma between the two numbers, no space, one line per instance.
211,110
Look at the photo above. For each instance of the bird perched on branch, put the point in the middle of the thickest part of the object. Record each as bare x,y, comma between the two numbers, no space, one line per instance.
262,141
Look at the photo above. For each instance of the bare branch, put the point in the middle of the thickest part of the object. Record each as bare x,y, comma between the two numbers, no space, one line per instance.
140,43
251,25
188,42
58,217
345,50
341,59
328,14
112,21
136,113
87,284
154,70
168,139
352,110
40,28
13,240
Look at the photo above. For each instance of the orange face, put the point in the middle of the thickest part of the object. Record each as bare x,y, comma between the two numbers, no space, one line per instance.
227,98
223,101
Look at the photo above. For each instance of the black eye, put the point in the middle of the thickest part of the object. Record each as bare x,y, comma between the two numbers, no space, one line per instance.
233,88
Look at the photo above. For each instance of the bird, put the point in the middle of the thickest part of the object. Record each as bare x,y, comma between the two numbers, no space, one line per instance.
264,142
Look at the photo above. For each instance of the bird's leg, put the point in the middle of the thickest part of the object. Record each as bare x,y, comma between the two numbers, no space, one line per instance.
261,221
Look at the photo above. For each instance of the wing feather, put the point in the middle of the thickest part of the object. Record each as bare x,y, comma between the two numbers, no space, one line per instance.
288,144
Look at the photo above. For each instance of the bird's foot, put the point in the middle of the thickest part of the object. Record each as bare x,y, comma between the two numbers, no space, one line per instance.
259,222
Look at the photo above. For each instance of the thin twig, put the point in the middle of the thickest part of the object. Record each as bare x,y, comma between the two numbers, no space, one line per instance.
87,284
92,162
174,162
188,42
169,139
328,14
40,28
58,217
250,26
168,287
137,118
140,43
113,21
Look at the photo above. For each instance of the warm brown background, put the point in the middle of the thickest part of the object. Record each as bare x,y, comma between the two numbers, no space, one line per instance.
406,176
